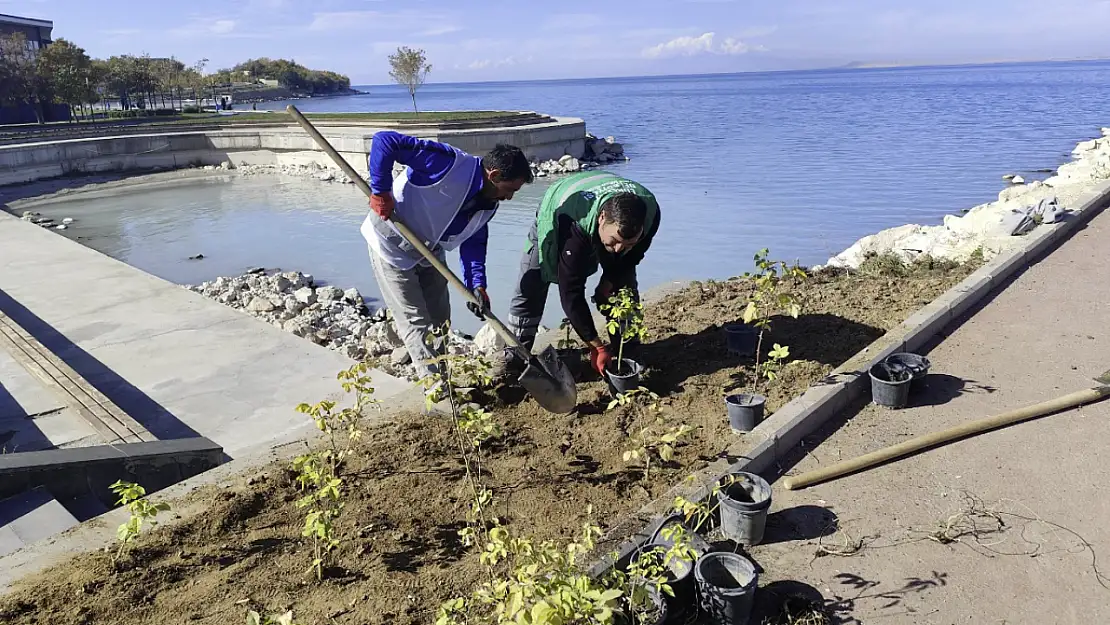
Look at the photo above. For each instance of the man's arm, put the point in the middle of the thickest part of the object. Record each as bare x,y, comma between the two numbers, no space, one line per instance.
429,160
576,263
472,253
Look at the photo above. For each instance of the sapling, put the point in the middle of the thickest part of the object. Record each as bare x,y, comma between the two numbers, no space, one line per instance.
567,341
324,503
142,511
770,367
768,298
626,320
655,440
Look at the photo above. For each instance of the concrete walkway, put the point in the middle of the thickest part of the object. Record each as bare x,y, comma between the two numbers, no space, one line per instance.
178,363
1008,527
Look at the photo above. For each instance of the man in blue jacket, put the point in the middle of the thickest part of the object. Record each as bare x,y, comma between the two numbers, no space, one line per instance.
447,198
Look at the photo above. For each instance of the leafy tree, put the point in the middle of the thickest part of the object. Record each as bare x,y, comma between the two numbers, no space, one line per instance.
64,70
410,69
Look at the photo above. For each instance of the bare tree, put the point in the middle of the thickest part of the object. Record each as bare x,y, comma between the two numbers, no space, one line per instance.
410,68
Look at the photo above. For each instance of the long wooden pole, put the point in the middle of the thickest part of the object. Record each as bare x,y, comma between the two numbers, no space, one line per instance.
943,437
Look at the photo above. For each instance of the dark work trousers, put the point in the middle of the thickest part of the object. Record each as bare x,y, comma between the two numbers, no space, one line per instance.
530,299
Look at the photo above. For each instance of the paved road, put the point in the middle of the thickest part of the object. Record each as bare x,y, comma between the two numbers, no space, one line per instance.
1009,527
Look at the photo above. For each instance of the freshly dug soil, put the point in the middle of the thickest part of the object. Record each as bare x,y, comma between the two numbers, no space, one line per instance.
405,493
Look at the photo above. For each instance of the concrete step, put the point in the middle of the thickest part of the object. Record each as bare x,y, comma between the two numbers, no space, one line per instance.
30,517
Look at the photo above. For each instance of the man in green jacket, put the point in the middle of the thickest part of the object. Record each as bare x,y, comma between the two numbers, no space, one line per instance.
584,221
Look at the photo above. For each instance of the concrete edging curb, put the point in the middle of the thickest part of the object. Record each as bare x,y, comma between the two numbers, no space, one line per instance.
784,430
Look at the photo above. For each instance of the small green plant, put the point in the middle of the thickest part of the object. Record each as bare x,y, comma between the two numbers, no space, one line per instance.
626,319
656,440
567,341
318,473
699,512
142,511
769,297
254,618
323,502
543,585
770,368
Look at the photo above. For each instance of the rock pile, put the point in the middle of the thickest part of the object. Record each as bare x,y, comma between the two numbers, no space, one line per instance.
598,152
46,222
326,315
988,227
314,170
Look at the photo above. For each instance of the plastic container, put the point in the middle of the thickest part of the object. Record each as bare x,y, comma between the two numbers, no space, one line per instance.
741,338
890,384
662,612
697,543
627,381
918,366
726,587
745,411
743,507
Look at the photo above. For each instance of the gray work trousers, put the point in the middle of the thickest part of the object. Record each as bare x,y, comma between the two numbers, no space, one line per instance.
530,298
420,302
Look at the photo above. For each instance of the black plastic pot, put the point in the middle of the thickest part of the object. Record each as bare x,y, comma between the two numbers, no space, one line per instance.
890,384
745,411
741,338
626,378
572,359
726,587
744,506
680,577
918,366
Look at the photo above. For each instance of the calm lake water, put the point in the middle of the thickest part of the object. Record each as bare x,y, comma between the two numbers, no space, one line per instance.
804,163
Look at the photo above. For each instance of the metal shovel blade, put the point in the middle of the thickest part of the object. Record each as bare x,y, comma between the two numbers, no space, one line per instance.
548,380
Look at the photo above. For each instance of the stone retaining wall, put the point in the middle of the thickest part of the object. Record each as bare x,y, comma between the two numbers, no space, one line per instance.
262,146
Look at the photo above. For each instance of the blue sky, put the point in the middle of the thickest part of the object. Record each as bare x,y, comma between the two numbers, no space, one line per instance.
507,40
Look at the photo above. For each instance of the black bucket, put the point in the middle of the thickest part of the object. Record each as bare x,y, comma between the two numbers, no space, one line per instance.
627,381
726,587
918,365
741,338
744,505
890,384
745,411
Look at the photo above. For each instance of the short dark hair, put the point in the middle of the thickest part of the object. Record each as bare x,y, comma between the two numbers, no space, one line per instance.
510,161
628,211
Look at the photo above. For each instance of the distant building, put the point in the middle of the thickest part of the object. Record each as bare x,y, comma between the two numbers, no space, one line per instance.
37,32
39,35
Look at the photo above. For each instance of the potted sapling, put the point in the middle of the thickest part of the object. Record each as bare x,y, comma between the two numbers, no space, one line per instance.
626,321
567,348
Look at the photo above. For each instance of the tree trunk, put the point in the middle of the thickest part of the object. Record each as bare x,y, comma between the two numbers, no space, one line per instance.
412,92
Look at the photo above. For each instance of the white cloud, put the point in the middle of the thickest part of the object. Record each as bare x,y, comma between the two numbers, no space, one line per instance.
703,44
436,31
423,24
481,64
222,27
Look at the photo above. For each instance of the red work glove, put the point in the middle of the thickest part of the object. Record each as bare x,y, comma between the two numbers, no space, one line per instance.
483,297
600,359
382,204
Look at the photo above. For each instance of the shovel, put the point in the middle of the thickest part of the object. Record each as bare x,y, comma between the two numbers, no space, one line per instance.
546,378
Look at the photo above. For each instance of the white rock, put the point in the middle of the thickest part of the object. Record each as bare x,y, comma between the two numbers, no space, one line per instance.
260,305
282,284
329,293
327,176
297,326
487,341
226,165
60,227
67,220
305,295
292,305
228,297
565,159
1017,180
572,165
352,295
